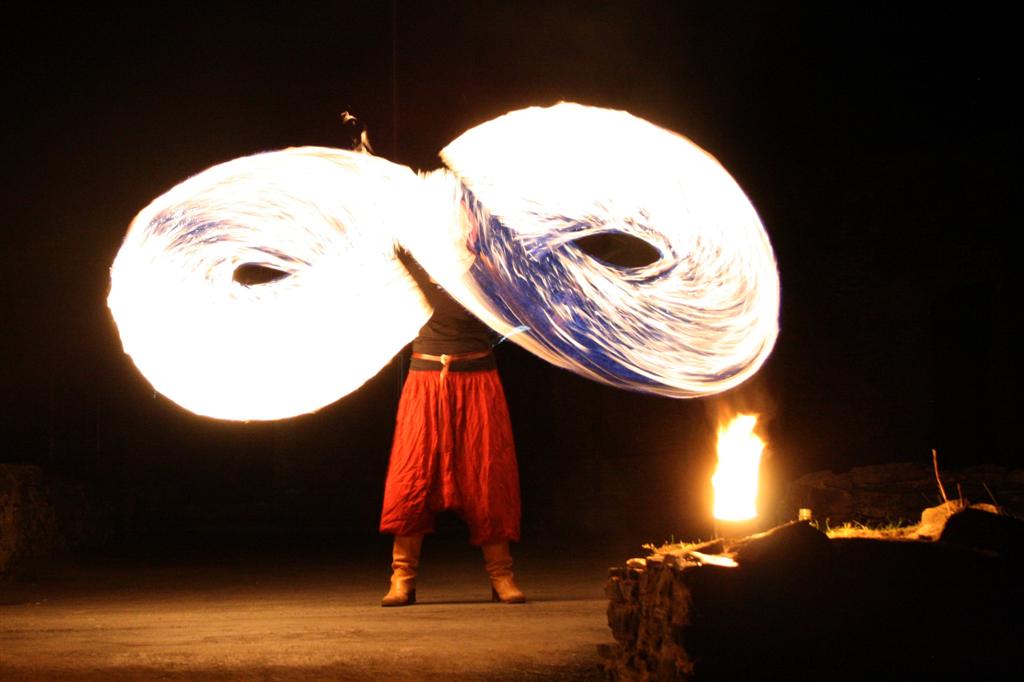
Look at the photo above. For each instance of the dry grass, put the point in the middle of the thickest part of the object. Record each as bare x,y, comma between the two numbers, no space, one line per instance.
898,530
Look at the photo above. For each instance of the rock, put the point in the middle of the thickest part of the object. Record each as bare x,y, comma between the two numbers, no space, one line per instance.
27,519
887,474
798,605
933,519
978,471
979,527
40,517
897,492
795,544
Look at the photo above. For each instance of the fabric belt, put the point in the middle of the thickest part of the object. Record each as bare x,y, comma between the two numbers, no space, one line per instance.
446,360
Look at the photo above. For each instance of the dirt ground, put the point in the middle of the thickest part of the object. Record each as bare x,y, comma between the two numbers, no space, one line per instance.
276,614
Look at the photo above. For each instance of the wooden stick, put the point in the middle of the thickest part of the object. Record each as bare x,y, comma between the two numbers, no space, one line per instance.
935,463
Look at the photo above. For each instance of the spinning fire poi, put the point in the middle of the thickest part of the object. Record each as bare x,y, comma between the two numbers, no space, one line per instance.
500,229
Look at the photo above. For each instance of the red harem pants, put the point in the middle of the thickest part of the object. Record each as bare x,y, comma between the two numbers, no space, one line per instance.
453,449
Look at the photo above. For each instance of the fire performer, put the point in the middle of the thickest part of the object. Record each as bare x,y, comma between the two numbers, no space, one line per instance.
452,450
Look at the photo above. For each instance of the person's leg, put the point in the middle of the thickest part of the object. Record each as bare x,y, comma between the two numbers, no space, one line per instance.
412,466
405,560
498,562
489,480
407,513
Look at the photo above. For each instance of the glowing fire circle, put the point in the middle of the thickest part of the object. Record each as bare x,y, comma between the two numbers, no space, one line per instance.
700,318
343,308
500,229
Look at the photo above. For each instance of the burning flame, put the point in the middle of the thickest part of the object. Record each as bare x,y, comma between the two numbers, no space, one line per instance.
498,229
317,217
735,479
698,320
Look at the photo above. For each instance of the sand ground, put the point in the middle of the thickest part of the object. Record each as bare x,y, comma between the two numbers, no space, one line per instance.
276,614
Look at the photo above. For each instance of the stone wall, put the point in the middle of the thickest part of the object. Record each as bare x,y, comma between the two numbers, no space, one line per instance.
648,607
40,517
898,492
793,603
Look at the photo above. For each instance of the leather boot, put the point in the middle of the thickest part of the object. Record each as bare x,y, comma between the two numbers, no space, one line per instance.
405,559
498,561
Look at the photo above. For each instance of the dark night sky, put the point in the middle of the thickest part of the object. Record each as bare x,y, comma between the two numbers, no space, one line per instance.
875,142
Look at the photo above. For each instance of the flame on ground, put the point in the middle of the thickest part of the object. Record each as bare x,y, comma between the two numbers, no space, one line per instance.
735,478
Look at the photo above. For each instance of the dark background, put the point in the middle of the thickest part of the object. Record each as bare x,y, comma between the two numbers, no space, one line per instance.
876,143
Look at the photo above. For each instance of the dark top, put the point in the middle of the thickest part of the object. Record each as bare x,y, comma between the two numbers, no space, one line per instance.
451,330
